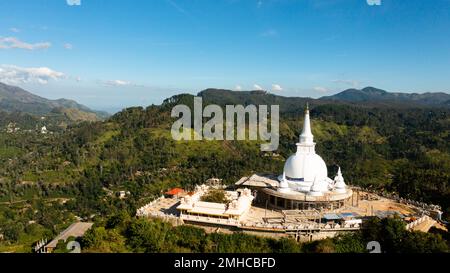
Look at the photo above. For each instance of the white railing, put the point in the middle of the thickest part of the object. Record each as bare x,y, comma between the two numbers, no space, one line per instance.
279,227
417,222
211,220
40,246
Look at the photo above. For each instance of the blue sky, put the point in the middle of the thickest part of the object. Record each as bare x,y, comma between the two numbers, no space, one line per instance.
116,53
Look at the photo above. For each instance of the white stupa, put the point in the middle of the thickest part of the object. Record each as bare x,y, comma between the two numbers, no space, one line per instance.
339,183
305,171
284,186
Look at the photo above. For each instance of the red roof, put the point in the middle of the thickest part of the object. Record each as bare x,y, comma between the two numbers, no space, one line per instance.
175,191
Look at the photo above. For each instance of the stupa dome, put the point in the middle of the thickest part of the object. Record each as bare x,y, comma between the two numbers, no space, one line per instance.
305,167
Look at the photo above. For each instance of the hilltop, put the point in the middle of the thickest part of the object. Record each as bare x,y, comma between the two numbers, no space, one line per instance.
16,99
404,150
374,95
367,97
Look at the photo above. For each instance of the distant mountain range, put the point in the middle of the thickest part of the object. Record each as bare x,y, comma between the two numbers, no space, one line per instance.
16,99
374,95
227,97
368,96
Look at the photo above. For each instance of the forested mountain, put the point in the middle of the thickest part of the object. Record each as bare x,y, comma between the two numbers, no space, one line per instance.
368,97
257,97
50,179
373,95
15,99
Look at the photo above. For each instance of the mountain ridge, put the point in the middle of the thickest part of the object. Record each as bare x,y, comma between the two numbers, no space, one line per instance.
368,97
16,99
376,95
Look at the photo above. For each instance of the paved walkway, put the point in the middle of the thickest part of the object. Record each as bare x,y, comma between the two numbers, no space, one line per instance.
75,230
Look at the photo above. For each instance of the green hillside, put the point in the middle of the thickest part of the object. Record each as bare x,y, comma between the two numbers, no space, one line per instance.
73,172
15,99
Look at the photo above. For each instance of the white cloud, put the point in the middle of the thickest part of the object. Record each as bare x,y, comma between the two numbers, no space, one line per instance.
11,74
259,4
270,33
238,88
276,87
118,83
13,43
73,2
320,89
68,46
15,30
257,87
352,83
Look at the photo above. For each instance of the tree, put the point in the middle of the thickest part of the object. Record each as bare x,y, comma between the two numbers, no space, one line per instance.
350,243
392,234
215,196
285,245
12,231
420,242
94,237
119,220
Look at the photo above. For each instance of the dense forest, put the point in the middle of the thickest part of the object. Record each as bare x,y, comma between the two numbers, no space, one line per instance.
49,180
122,233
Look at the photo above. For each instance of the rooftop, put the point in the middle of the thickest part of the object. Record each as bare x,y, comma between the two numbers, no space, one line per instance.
174,191
259,180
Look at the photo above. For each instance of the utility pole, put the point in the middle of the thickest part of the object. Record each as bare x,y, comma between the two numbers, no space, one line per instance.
265,211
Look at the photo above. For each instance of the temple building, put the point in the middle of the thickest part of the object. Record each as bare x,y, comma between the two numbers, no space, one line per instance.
192,209
304,183
302,202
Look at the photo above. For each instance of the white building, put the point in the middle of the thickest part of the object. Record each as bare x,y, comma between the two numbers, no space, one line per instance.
304,183
193,209
305,171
